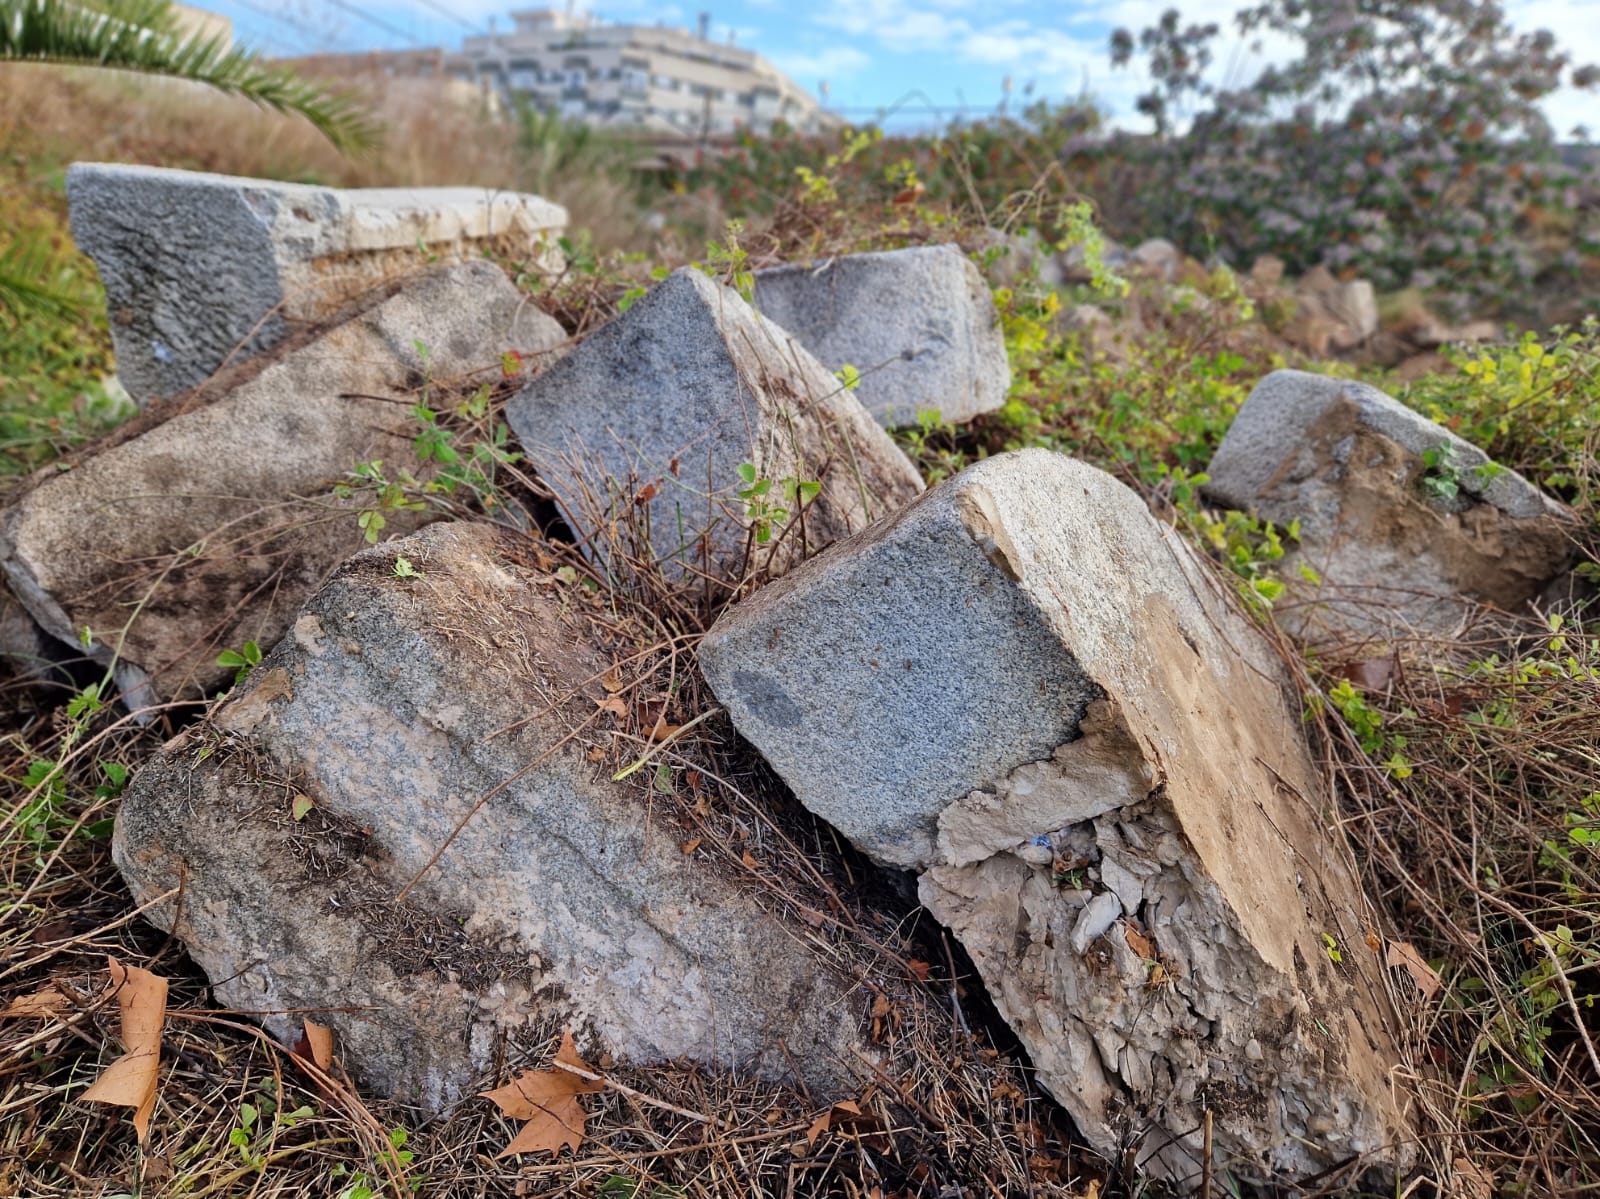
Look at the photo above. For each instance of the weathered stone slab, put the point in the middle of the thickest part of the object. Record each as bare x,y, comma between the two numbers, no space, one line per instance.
201,270
644,426
1390,553
1026,687
919,324
210,528
400,710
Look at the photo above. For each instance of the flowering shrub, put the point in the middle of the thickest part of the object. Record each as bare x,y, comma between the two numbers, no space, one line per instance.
1404,143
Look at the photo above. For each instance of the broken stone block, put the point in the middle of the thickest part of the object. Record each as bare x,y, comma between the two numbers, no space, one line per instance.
643,431
202,270
1390,545
393,826
1157,258
1027,688
184,536
1330,313
919,325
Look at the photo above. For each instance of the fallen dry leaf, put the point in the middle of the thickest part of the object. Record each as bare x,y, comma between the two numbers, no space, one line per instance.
1141,945
614,705
843,1114
548,1101
48,1002
315,1049
316,1045
130,1081
1372,674
1472,1181
1401,953
690,846
611,680
919,969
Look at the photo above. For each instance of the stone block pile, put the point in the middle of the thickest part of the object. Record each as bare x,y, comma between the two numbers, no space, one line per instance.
1017,685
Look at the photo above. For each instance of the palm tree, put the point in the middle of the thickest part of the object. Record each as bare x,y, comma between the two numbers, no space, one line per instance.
143,36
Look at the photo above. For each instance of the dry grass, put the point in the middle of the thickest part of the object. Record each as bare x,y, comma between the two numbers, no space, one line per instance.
950,1110
1487,857
52,116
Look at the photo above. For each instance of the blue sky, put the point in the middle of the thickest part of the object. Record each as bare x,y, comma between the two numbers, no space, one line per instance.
938,58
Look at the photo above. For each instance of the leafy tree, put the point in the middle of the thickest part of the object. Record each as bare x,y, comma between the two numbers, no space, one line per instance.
1404,140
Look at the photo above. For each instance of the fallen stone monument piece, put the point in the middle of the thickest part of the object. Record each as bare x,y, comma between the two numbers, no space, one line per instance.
210,528
708,434
1026,688
919,325
392,826
1403,525
202,270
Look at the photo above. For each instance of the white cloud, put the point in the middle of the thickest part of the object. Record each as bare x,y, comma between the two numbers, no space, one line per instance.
834,62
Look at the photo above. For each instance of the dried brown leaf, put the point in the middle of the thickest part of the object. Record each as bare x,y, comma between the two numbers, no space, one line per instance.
548,1101
130,1081
1472,1180
1372,674
1141,945
48,1002
316,1045
1403,954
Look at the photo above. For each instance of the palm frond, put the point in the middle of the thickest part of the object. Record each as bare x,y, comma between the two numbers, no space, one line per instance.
142,36
26,269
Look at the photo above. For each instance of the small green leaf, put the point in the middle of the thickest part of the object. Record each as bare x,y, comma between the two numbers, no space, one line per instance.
302,807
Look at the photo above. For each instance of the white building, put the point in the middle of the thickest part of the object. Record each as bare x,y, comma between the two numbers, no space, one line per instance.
656,78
